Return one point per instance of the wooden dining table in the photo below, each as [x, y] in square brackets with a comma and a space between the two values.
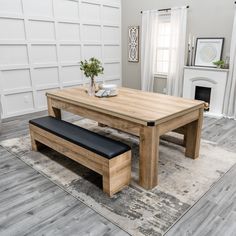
[144, 114]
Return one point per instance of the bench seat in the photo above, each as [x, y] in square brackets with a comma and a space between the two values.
[110, 158]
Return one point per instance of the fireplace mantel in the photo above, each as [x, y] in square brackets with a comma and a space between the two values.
[205, 68]
[206, 77]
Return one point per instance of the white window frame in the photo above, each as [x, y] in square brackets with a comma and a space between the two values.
[165, 17]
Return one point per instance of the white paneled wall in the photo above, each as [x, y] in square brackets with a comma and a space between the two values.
[43, 41]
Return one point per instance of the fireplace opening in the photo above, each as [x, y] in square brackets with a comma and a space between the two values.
[203, 94]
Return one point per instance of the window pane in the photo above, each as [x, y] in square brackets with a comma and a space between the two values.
[160, 42]
[159, 67]
[167, 29]
[163, 54]
[165, 67]
[166, 55]
[163, 44]
[161, 30]
[160, 55]
[163, 41]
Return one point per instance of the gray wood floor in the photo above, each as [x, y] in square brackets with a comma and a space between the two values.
[215, 213]
[32, 205]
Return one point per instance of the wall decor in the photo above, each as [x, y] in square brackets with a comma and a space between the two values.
[208, 50]
[133, 44]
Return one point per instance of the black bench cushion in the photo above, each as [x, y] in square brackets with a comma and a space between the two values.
[87, 139]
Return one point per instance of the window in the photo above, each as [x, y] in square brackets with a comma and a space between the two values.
[163, 45]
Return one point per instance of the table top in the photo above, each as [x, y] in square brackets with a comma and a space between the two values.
[134, 105]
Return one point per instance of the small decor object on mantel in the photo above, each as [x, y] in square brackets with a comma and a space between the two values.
[208, 50]
[191, 46]
[91, 68]
[220, 64]
[133, 44]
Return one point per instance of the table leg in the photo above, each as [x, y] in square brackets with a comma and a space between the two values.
[193, 137]
[149, 156]
[52, 111]
[101, 125]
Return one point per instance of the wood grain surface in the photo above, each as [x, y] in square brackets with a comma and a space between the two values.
[140, 113]
[133, 105]
[116, 172]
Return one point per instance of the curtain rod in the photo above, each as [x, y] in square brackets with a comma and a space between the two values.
[168, 9]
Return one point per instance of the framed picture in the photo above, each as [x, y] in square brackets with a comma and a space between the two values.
[208, 50]
[133, 44]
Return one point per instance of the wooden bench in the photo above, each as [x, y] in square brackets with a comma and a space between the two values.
[110, 158]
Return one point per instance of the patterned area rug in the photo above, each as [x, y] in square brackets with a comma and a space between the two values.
[182, 181]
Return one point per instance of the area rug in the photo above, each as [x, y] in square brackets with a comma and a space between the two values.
[182, 181]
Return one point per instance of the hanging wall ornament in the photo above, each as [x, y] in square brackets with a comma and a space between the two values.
[133, 44]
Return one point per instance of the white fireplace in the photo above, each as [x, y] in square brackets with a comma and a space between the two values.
[207, 84]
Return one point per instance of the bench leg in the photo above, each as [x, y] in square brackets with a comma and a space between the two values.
[117, 173]
[35, 145]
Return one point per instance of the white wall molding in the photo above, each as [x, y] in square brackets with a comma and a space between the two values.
[43, 42]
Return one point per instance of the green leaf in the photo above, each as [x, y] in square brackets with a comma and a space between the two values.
[92, 67]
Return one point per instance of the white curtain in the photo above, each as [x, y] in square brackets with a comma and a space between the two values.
[148, 49]
[177, 51]
[230, 93]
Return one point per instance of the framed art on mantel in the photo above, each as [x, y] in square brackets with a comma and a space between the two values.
[208, 50]
[133, 44]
